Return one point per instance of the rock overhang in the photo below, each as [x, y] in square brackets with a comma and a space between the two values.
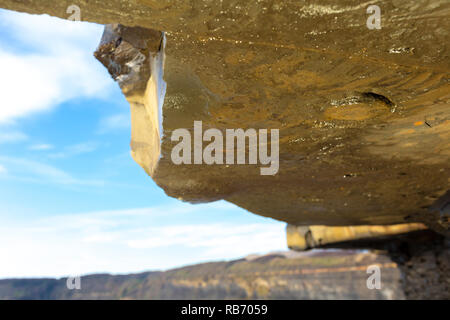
[364, 115]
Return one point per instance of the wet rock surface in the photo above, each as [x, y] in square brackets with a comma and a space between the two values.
[363, 114]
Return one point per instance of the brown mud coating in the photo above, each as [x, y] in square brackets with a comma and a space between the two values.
[364, 115]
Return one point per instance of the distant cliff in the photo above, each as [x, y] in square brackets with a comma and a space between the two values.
[314, 275]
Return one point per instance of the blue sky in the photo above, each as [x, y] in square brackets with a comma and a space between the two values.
[72, 200]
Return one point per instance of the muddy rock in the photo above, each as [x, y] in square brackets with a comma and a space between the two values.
[363, 114]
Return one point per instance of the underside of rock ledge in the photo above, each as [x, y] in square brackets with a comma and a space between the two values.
[364, 115]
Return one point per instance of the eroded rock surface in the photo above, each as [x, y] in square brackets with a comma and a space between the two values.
[364, 115]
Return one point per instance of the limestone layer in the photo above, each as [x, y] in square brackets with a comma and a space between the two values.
[304, 238]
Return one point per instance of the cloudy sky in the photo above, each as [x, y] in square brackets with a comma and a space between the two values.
[72, 200]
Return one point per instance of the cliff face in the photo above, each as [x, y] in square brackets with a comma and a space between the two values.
[320, 275]
[363, 114]
[411, 266]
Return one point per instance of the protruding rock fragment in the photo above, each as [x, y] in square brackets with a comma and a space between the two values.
[134, 57]
[303, 238]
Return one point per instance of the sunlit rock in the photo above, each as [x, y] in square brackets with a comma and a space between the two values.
[363, 114]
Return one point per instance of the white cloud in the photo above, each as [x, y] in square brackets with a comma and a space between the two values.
[38, 172]
[133, 240]
[12, 136]
[41, 147]
[114, 122]
[217, 240]
[57, 65]
[76, 149]
[2, 169]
